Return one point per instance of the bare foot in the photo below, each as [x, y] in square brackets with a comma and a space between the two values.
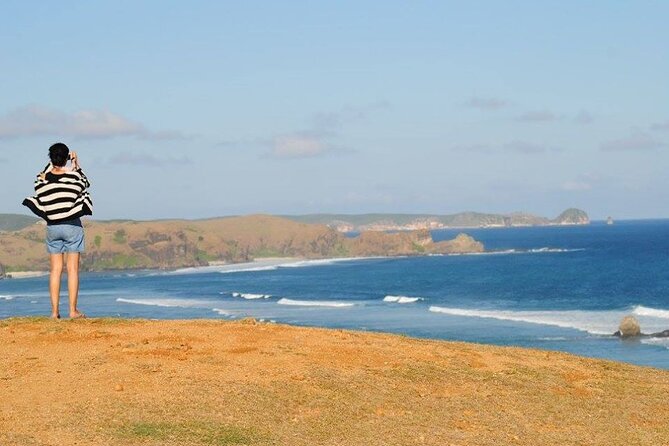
[55, 316]
[77, 315]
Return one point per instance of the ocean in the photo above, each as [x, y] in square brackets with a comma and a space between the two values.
[557, 288]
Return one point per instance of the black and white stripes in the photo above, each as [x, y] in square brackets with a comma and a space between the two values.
[59, 198]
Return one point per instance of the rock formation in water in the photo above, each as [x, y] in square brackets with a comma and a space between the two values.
[629, 327]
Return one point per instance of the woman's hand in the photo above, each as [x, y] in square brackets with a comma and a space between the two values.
[75, 160]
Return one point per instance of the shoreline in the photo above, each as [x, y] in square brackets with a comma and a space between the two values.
[185, 381]
[25, 274]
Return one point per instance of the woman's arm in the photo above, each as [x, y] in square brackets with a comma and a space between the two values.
[77, 168]
[41, 177]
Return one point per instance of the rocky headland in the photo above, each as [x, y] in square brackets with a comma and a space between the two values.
[186, 243]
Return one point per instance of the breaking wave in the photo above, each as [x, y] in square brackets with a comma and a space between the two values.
[251, 296]
[402, 299]
[517, 251]
[652, 312]
[221, 312]
[662, 342]
[180, 303]
[604, 322]
[313, 303]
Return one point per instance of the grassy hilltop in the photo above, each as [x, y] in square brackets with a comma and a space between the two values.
[182, 243]
[197, 383]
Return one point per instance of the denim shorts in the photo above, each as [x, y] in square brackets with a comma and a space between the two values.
[64, 238]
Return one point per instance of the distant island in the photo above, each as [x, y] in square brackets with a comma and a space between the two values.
[168, 244]
[406, 222]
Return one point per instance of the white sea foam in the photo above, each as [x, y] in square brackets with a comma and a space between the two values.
[313, 303]
[181, 303]
[251, 296]
[603, 322]
[317, 262]
[249, 269]
[662, 342]
[221, 312]
[268, 264]
[401, 299]
[519, 251]
[652, 312]
[6, 297]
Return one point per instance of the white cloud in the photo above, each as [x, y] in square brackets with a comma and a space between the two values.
[299, 145]
[486, 103]
[37, 120]
[633, 143]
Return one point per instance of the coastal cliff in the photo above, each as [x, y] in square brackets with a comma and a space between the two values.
[186, 243]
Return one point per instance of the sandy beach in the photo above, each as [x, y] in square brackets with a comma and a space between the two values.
[126, 382]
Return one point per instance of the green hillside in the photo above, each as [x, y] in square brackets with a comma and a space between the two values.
[16, 222]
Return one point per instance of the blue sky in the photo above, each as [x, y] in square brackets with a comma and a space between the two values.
[199, 109]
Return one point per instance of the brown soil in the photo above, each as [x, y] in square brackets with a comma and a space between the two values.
[127, 382]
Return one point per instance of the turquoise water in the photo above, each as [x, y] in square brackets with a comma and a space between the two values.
[558, 288]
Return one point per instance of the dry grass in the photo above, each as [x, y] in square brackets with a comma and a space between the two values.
[127, 382]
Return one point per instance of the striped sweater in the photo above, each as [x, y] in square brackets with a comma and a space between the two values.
[59, 198]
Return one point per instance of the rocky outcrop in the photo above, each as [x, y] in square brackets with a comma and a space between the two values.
[2, 271]
[463, 243]
[629, 327]
[572, 216]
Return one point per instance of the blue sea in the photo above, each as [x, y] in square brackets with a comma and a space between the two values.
[556, 288]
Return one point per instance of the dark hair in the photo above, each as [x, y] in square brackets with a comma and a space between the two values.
[59, 154]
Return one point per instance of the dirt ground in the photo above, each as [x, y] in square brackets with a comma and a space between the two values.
[138, 382]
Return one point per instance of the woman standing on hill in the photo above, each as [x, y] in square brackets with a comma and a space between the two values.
[61, 199]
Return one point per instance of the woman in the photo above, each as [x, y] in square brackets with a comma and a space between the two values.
[61, 199]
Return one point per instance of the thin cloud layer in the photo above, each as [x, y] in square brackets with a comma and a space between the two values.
[660, 126]
[486, 103]
[324, 127]
[538, 116]
[584, 117]
[637, 142]
[146, 160]
[525, 147]
[36, 120]
[298, 145]
[576, 186]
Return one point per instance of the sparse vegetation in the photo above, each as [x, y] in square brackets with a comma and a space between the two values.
[197, 382]
[199, 432]
[120, 236]
[176, 244]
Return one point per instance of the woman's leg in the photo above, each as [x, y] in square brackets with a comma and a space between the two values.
[72, 259]
[54, 283]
